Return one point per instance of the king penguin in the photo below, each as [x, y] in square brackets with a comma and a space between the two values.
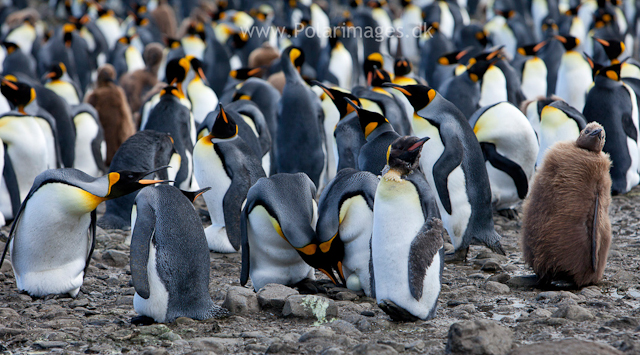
[223, 161]
[169, 258]
[454, 167]
[559, 121]
[61, 83]
[534, 72]
[574, 74]
[407, 247]
[277, 228]
[53, 236]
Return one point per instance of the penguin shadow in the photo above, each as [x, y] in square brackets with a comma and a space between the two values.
[558, 283]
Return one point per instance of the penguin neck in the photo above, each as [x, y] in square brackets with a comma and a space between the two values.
[391, 174]
[383, 128]
[290, 72]
[601, 81]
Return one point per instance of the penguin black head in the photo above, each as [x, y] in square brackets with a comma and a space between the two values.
[10, 47]
[452, 58]
[379, 77]
[177, 69]
[141, 21]
[613, 48]
[419, 96]
[172, 43]
[19, 94]
[569, 43]
[603, 17]
[592, 137]
[246, 73]
[328, 258]
[549, 27]
[404, 153]
[338, 98]
[239, 39]
[67, 36]
[402, 67]
[125, 182]
[612, 72]
[477, 70]
[373, 61]
[482, 37]
[296, 56]
[369, 120]
[196, 64]
[126, 40]
[224, 127]
[495, 54]
[193, 195]
[56, 71]
[531, 49]
[573, 11]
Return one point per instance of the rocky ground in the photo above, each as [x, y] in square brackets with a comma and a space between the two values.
[497, 311]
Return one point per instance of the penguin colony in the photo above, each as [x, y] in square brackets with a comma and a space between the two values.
[352, 137]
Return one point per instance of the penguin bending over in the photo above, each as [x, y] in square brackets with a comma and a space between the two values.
[169, 258]
[407, 249]
[277, 228]
[566, 231]
[454, 167]
[52, 238]
[225, 162]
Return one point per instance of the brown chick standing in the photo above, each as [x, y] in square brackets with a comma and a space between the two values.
[113, 110]
[566, 232]
[137, 84]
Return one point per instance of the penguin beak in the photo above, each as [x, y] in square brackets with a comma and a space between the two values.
[596, 132]
[418, 144]
[397, 87]
[49, 75]
[9, 84]
[149, 181]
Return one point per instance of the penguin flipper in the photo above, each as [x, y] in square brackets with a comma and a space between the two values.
[628, 127]
[372, 279]
[232, 206]
[92, 235]
[143, 234]
[11, 180]
[450, 159]
[244, 273]
[508, 166]
[594, 237]
[424, 247]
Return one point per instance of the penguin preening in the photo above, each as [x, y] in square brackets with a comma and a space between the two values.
[169, 258]
[453, 164]
[52, 238]
[277, 228]
[407, 247]
[566, 231]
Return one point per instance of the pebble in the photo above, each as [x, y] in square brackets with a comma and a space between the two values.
[346, 296]
[240, 300]
[478, 337]
[523, 281]
[496, 287]
[50, 344]
[273, 296]
[281, 348]
[368, 313]
[491, 266]
[623, 323]
[501, 278]
[318, 332]
[115, 258]
[64, 323]
[573, 312]
[210, 344]
[332, 351]
[310, 307]
[343, 327]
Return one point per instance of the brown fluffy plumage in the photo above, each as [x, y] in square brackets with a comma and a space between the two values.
[165, 19]
[559, 213]
[137, 84]
[113, 110]
[263, 56]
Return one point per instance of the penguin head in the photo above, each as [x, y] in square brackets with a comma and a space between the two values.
[603, 18]
[67, 34]
[379, 77]
[452, 58]
[595, 66]
[568, 42]
[177, 69]
[193, 195]
[246, 73]
[327, 258]
[369, 120]
[141, 21]
[338, 97]
[224, 127]
[296, 56]
[592, 137]
[126, 40]
[532, 49]
[239, 39]
[402, 67]
[477, 68]
[613, 48]
[404, 153]
[10, 47]
[373, 61]
[56, 71]
[19, 94]
[106, 74]
[612, 72]
[125, 182]
[549, 27]
[419, 96]
[482, 37]
[172, 43]
[171, 91]
[196, 64]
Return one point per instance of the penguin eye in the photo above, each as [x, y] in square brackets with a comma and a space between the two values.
[130, 176]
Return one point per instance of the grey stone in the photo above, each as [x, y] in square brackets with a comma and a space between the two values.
[281, 348]
[210, 344]
[523, 281]
[253, 334]
[573, 312]
[343, 327]
[501, 278]
[496, 287]
[171, 336]
[623, 323]
[479, 337]
[373, 349]
[6, 265]
[64, 323]
[332, 351]
[50, 344]
[124, 301]
[240, 300]
[396, 346]
[273, 296]
[8, 314]
[115, 258]
[346, 296]
[153, 329]
[310, 307]
[591, 292]
[540, 313]
[491, 266]
[318, 332]
[154, 351]
[566, 347]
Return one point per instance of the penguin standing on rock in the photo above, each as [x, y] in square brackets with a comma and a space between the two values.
[52, 238]
[408, 280]
[566, 231]
[454, 167]
[169, 258]
[277, 228]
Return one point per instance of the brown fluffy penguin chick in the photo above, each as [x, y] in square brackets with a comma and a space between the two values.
[137, 84]
[566, 232]
[113, 110]
[165, 19]
[263, 56]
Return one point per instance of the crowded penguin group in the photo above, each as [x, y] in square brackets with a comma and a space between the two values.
[358, 139]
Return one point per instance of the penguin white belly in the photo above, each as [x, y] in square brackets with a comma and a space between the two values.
[501, 34]
[156, 305]
[355, 232]
[494, 87]
[190, 182]
[134, 59]
[629, 71]
[235, 62]
[534, 79]
[456, 222]
[110, 27]
[52, 159]
[203, 100]
[397, 219]
[65, 90]
[146, 110]
[4, 105]
[194, 46]
[447, 23]
[567, 131]
[209, 172]
[272, 258]
[24, 36]
[504, 194]
[52, 242]
[86, 131]
[632, 174]
[341, 66]
[331, 119]
[574, 78]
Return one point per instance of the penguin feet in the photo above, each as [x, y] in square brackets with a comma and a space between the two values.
[309, 287]
[458, 256]
[509, 213]
[396, 312]
[142, 320]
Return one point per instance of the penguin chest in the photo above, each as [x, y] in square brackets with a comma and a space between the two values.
[555, 129]
[341, 65]
[65, 90]
[86, 132]
[157, 304]
[209, 171]
[203, 100]
[574, 78]
[194, 46]
[52, 159]
[272, 258]
[494, 87]
[52, 239]
[356, 226]
[134, 59]
[534, 78]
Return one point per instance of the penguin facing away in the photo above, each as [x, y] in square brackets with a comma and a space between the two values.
[566, 231]
[169, 258]
[408, 279]
[52, 238]
[277, 227]
[454, 167]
